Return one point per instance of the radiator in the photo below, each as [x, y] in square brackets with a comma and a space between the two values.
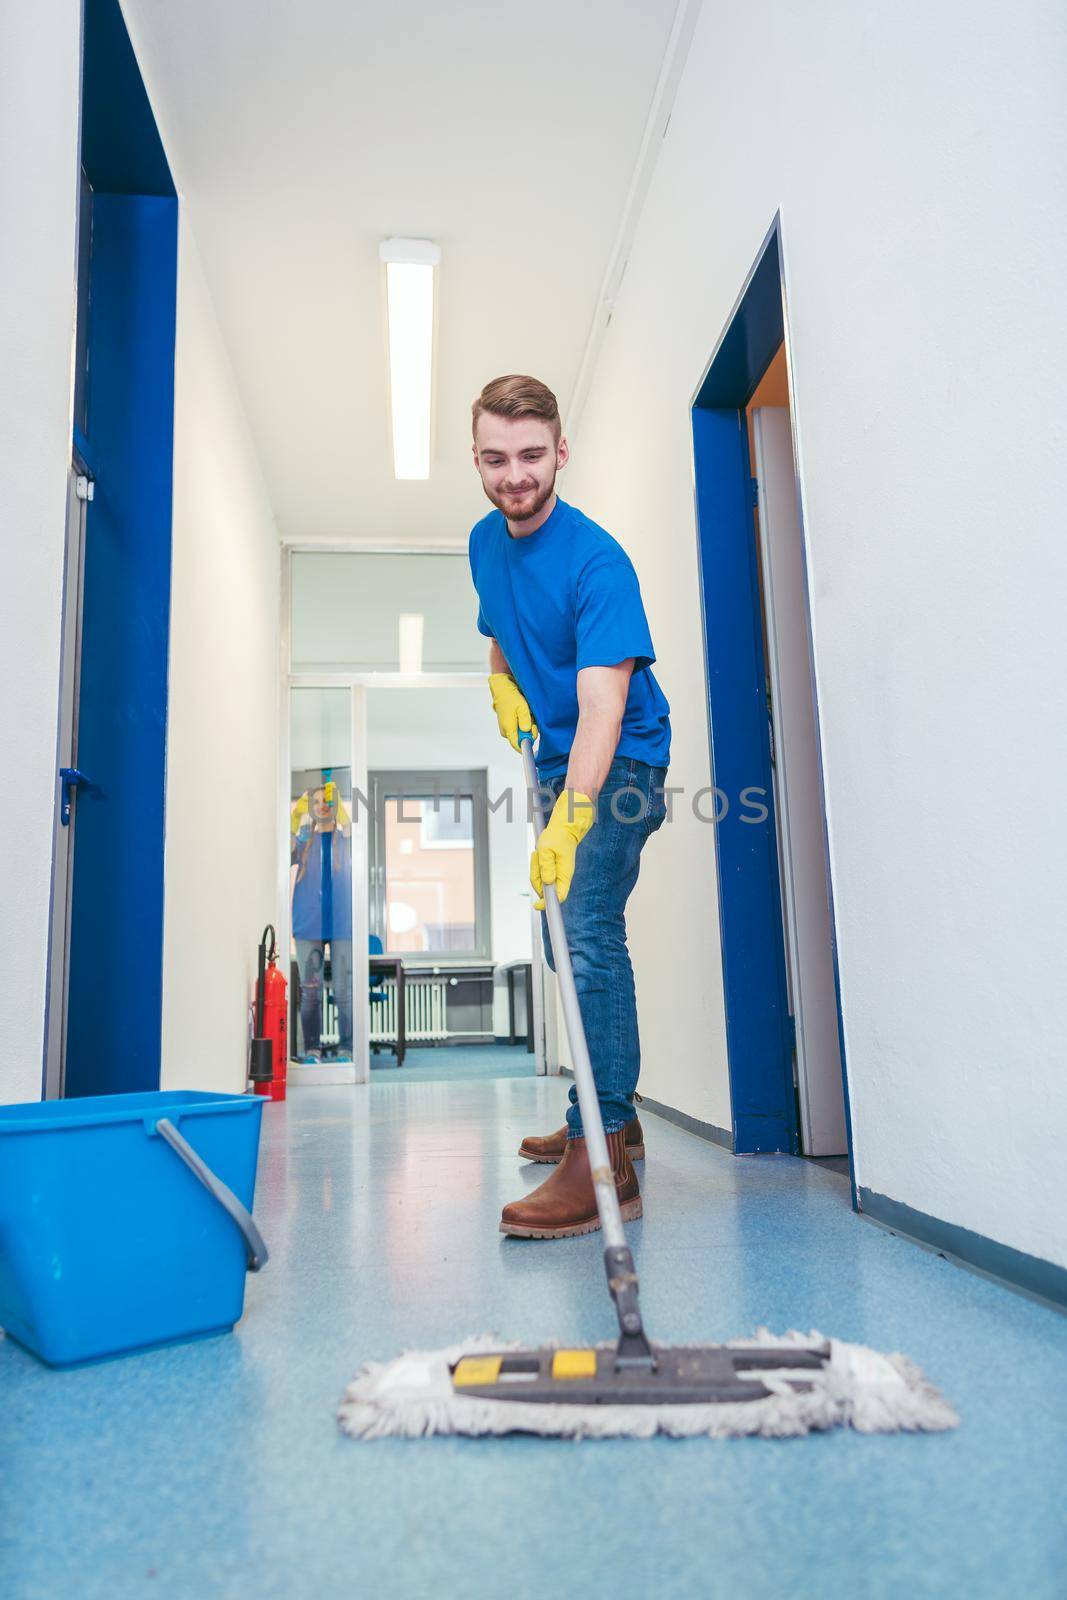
[330, 1034]
[424, 1011]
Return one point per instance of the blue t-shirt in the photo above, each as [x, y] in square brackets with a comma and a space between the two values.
[564, 598]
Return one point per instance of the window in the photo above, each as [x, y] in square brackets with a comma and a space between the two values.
[448, 826]
[429, 864]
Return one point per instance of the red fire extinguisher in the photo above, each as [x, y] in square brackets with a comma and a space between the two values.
[271, 1012]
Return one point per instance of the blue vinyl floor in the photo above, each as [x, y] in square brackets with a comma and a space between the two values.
[217, 1469]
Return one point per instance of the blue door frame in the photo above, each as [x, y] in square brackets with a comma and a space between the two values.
[759, 1029]
[124, 439]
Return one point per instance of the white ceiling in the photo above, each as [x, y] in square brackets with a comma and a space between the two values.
[301, 134]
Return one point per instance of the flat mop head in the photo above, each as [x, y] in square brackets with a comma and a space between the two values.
[770, 1387]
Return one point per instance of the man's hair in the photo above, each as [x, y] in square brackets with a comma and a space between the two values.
[518, 396]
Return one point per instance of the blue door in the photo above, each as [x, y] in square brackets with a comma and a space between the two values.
[105, 1002]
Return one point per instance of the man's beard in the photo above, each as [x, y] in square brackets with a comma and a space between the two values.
[541, 499]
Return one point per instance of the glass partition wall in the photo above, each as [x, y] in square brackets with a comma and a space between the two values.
[449, 843]
[375, 612]
[386, 833]
[322, 847]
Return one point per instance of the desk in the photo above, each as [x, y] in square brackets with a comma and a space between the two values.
[393, 967]
[513, 970]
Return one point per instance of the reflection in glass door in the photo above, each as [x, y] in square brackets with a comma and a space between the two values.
[321, 877]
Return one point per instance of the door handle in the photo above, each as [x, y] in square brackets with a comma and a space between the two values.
[71, 779]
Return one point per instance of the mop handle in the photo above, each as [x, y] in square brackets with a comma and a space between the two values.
[607, 1201]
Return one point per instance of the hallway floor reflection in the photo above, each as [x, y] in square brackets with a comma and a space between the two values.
[453, 1063]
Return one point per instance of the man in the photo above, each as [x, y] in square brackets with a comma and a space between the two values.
[570, 660]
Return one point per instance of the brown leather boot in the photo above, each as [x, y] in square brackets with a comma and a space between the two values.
[565, 1204]
[550, 1148]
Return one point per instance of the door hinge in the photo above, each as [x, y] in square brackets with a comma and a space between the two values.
[755, 490]
[70, 781]
[84, 487]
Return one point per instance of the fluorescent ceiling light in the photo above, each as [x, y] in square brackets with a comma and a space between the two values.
[409, 270]
[411, 624]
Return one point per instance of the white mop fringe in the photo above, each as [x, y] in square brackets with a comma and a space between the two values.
[413, 1398]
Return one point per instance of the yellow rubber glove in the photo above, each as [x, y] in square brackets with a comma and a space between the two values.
[553, 861]
[512, 711]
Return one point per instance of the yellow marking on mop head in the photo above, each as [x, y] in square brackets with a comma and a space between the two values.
[602, 1175]
[476, 1369]
[574, 1364]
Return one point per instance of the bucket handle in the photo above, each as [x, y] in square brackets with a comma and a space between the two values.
[257, 1251]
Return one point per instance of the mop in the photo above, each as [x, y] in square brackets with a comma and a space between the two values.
[771, 1387]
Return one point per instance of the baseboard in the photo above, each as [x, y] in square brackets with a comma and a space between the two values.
[1041, 1280]
[681, 1119]
[301, 1074]
[1029, 1275]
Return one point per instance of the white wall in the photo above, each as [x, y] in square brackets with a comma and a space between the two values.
[39, 74]
[221, 842]
[917, 156]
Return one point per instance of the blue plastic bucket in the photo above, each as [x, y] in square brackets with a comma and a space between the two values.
[124, 1220]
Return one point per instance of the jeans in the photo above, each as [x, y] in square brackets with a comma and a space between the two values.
[311, 955]
[630, 807]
